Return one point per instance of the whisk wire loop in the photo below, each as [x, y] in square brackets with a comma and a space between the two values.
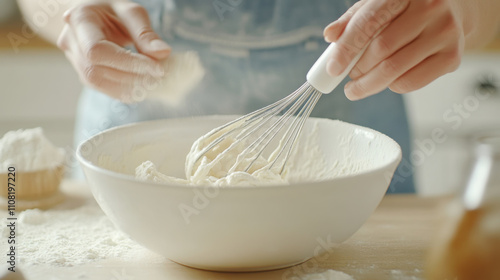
[263, 115]
[256, 148]
[294, 130]
[255, 131]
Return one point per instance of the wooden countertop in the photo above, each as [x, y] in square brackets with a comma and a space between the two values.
[392, 244]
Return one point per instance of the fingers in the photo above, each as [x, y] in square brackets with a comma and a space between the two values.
[420, 41]
[62, 41]
[89, 40]
[420, 76]
[333, 31]
[401, 32]
[117, 84]
[86, 22]
[88, 25]
[98, 77]
[366, 22]
[387, 71]
[108, 54]
[136, 20]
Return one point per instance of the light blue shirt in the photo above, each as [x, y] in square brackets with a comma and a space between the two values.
[255, 52]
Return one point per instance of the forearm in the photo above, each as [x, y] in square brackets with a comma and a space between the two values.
[46, 17]
[481, 21]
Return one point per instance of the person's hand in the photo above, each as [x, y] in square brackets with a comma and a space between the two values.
[421, 41]
[93, 39]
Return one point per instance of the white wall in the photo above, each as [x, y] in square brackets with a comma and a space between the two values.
[453, 105]
[38, 88]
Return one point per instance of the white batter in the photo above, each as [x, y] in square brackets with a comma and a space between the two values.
[308, 164]
[214, 168]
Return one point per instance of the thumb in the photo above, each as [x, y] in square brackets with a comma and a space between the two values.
[136, 19]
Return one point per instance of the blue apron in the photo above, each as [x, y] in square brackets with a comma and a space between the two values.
[255, 53]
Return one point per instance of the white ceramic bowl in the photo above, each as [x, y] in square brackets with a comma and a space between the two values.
[234, 228]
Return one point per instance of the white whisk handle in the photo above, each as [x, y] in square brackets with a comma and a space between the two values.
[319, 78]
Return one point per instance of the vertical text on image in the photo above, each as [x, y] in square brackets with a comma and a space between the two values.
[11, 220]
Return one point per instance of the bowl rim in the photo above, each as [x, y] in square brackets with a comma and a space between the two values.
[131, 178]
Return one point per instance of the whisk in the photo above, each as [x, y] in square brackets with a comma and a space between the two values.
[255, 131]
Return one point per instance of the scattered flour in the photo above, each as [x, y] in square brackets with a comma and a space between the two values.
[73, 237]
[327, 275]
[29, 150]
[183, 71]
[401, 275]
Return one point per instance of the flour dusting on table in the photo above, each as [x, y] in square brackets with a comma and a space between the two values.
[329, 274]
[73, 237]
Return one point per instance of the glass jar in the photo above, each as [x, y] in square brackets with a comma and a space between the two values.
[468, 244]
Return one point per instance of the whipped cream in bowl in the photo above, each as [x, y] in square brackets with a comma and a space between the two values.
[241, 221]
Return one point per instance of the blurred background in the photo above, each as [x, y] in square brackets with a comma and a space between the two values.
[40, 88]
[38, 84]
